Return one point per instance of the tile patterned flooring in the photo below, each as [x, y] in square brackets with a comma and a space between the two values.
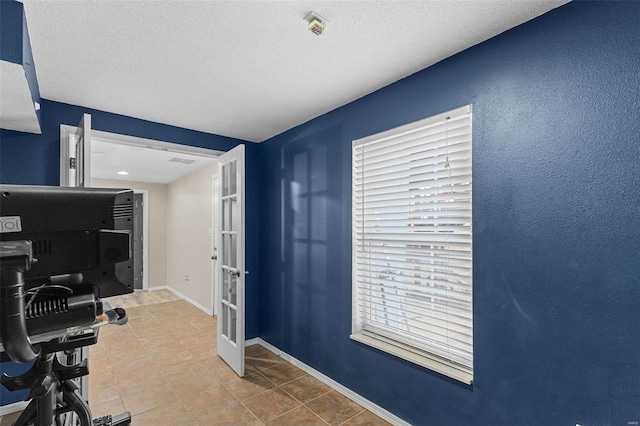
[163, 368]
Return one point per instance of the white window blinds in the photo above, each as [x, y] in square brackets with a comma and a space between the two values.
[412, 251]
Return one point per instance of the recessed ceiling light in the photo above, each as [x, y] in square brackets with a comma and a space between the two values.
[122, 172]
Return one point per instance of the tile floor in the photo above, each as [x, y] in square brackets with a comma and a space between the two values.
[163, 368]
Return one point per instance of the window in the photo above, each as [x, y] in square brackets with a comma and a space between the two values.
[412, 263]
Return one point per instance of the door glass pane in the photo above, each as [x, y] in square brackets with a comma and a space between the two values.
[233, 238]
[232, 325]
[233, 289]
[232, 177]
[225, 216]
[225, 285]
[225, 320]
[233, 215]
[225, 249]
[225, 179]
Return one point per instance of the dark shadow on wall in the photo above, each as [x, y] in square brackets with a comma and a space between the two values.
[310, 253]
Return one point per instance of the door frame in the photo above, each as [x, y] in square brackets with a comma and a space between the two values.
[67, 131]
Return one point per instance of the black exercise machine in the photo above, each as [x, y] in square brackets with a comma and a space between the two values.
[61, 251]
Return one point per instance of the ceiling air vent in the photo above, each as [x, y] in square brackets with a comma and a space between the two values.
[181, 160]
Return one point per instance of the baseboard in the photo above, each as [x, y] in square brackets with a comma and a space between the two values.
[12, 408]
[365, 403]
[162, 287]
[190, 300]
[254, 341]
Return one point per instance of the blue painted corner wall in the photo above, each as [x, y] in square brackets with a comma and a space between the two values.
[556, 172]
[30, 159]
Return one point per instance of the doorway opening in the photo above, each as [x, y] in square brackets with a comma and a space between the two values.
[167, 176]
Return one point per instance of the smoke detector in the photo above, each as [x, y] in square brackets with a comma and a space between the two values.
[316, 22]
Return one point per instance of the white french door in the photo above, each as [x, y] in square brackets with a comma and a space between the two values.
[75, 154]
[83, 152]
[231, 273]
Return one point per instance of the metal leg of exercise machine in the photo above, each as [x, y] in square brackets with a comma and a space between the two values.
[53, 392]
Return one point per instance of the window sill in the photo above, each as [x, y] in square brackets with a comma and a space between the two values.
[415, 356]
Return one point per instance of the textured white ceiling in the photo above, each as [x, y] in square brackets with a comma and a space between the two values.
[247, 69]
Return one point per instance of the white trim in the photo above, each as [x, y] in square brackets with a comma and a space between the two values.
[413, 126]
[85, 146]
[122, 139]
[162, 287]
[188, 299]
[365, 403]
[65, 131]
[416, 356]
[12, 408]
[254, 341]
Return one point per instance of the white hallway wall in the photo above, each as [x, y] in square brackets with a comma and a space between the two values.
[189, 210]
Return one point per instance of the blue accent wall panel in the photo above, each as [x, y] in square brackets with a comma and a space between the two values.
[556, 146]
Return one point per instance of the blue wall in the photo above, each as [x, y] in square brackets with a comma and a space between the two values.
[556, 134]
[34, 159]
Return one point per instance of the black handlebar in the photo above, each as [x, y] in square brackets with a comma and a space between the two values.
[13, 327]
